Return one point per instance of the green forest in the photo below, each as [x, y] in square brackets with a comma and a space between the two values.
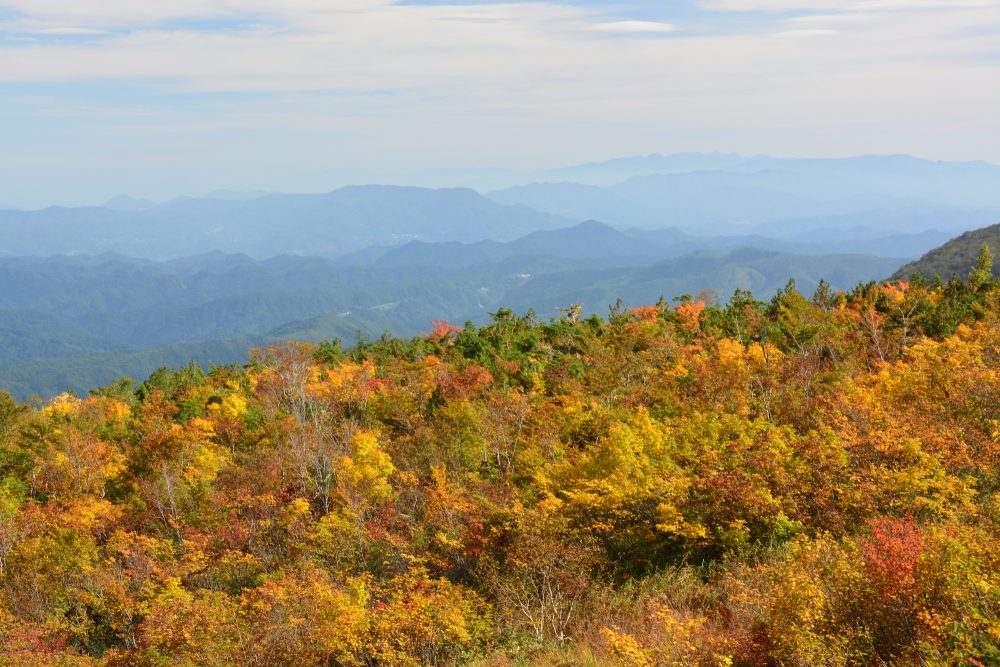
[77, 322]
[955, 257]
[810, 480]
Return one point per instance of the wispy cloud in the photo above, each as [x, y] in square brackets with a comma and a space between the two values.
[777, 6]
[71, 32]
[272, 87]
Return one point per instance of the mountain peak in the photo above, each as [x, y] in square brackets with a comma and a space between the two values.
[594, 225]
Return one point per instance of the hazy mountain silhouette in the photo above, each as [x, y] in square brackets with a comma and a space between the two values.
[766, 190]
[325, 224]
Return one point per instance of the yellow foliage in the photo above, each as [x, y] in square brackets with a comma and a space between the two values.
[62, 405]
[232, 405]
[806, 482]
[363, 477]
[626, 649]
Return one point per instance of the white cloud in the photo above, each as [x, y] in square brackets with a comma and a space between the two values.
[770, 5]
[775, 6]
[133, 13]
[634, 27]
[71, 31]
[815, 32]
[308, 82]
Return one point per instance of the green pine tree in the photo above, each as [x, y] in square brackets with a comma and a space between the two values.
[982, 271]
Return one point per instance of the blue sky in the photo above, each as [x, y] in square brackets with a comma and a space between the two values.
[100, 97]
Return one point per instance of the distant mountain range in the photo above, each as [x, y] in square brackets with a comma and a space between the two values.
[849, 202]
[588, 240]
[595, 240]
[766, 190]
[89, 293]
[76, 322]
[956, 257]
[610, 172]
[328, 224]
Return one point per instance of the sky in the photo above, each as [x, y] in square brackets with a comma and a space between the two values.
[158, 99]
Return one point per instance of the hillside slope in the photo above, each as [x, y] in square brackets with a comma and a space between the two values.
[954, 258]
[72, 322]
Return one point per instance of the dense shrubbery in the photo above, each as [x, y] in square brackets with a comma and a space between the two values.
[810, 481]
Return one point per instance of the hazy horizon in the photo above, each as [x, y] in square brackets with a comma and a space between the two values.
[102, 99]
[480, 178]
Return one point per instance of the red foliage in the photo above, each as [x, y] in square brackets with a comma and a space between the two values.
[378, 384]
[442, 330]
[42, 642]
[891, 554]
[233, 534]
[465, 383]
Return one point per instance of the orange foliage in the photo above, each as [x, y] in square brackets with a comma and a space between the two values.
[442, 330]
[690, 314]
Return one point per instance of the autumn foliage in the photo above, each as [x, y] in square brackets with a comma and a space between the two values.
[808, 481]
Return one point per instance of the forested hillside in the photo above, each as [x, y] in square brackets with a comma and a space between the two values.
[70, 323]
[814, 480]
[954, 258]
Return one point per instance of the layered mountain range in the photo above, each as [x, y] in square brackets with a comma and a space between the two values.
[94, 292]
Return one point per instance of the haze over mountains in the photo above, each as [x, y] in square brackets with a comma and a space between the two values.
[317, 224]
[708, 195]
[94, 292]
[759, 191]
[60, 314]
